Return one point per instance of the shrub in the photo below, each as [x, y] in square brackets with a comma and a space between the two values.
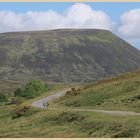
[73, 92]
[137, 97]
[68, 92]
[19, 112]
[3, 98]
[73, 89]
[32, 89]
[126, 133]
[18, 92]
[69, 117]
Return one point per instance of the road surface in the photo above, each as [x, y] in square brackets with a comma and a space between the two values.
[40, 103]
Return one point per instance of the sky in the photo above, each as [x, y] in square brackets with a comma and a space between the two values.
[123, 19]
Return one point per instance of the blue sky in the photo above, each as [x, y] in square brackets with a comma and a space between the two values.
[114, 9]
[113, 16]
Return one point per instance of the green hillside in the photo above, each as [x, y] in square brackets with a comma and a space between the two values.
[117, 93]
[65, 55]
[8, 86]
[39, 123]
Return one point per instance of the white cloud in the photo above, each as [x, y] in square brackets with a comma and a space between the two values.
[130, 24]
[82, 15]
[10, 21]
[77, 16]
[129, 27]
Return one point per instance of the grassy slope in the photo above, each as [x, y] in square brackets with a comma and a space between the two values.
[49, 123]
[66, 123]
[8, 86]
[118, 93]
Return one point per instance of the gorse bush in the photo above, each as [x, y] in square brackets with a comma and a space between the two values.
[32, 89]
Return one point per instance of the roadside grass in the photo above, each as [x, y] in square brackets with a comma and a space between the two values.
[65, 123]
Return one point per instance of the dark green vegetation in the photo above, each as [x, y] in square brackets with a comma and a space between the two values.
[23, 92]
[32, 89]
[3, 98]
[117, 93]
[7, 89]
[67, 55]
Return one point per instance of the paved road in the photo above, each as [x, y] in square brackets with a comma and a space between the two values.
[40, 104]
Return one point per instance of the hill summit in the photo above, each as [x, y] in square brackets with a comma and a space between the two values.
[65, 55]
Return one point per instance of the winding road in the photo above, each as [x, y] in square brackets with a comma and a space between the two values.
[40, 104]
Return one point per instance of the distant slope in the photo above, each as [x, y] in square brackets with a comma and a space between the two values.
[9, 86]
[65, 55]
[117, 93]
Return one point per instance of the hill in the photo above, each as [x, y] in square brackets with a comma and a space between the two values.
[65, 55]
[117, 93]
